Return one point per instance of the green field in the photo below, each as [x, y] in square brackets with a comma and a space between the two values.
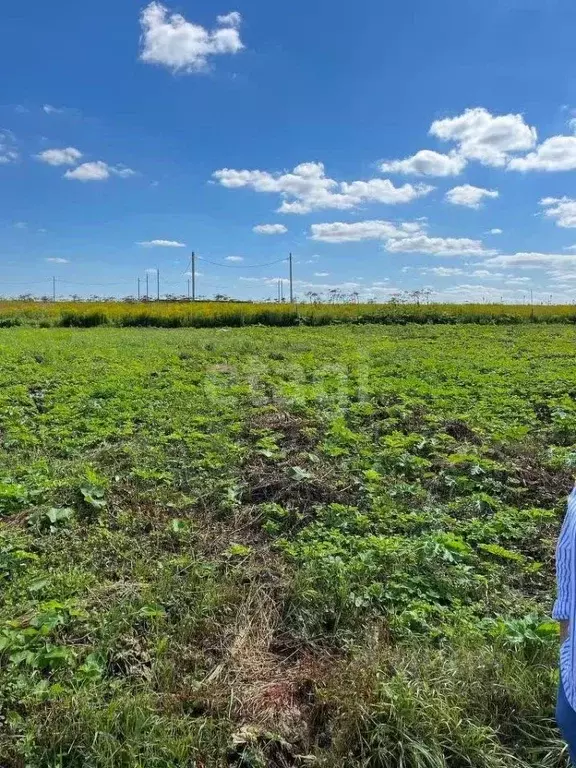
[282, 546]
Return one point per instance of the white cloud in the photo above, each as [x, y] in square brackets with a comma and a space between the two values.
[561, 209]
[488, 138]
[382, 191]
[438, 246]
[403, 237]
[50, 110]
[427, 163]
[557, 153]
[518, 280]
[344, 232]
[161, 244]
[270, 229]
[98, 171]
[8, 151]
[321, 274]
[475, 292]
[495, 231]
[307, 188]
[232, 19]
[67, 156]
[443, 271]
[234, 258]
[557, 261]
[559, 276]
[56, 260]
[469, 196]
[180, 45]
[122, 171]
[485, 273]
[20, 225]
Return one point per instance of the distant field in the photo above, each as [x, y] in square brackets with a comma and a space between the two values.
[281, 547]
[207, 314]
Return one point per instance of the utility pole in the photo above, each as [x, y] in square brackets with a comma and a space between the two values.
[138, 289]
[53, 289]
[291, 283]
[193, 269]
[157, 284]
[147, 285]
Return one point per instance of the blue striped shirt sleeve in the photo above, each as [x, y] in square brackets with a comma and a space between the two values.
[564, 564]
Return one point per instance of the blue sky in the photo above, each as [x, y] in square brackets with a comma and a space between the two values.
[389, 146]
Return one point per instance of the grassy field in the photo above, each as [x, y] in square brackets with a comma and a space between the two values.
[206, 314]
[282, 547]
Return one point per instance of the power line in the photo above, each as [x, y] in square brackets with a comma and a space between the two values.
[73, 282]
[240, 266]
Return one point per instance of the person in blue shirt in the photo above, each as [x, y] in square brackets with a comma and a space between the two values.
[565, 612]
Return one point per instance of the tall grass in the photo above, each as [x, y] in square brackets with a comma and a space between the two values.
[166, 314]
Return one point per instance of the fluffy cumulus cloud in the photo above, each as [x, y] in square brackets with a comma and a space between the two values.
[98, 171]
[232, 19]
[57, 260]
[427, 163]
[234, 258]
[557, 261]
[489, 139]
[345, 232]
[404, 237]
[307, 188]
[495, 231]
[561, 209]
[438, 246]
[270, 229]
[170, 40]
[8, 151]
[95, 171]
[557, 153]
[499, 141]
[67, 156]
[161, 244]
[469, 196]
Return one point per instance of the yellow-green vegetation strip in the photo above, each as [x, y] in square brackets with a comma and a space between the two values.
[214, 314]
